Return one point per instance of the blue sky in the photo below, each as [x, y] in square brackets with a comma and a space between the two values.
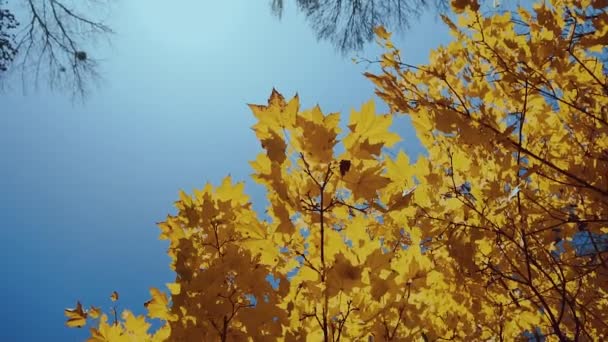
[83, 185]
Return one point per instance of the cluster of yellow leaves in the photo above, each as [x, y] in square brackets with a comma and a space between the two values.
[130, 328]
[359, 271]
[477, 241]
[514, 114]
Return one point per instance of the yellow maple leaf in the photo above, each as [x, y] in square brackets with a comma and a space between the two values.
[484, 246]
[94, 312]
[136, 326]
[316, 135]
[231, 192]
[343, 275]
[174, 288]
[158, 306]
[108, 332]
[275, 116]
[368, 127]
[77, 317]
[399, 169]
[365, 183]
[381, 32]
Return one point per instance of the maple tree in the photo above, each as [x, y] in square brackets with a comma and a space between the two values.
[499, 233]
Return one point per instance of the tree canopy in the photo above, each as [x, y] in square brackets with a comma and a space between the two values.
[7, 38]
[499, 233]
[50, 41]
[348, 25]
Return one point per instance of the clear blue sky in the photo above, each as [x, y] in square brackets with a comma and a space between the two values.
[84, 185]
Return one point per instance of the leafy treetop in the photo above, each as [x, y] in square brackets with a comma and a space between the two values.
[499, 234]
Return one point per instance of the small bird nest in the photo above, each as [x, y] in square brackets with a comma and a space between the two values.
[81, 55]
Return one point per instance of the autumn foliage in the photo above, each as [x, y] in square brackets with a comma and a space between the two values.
[499, 233]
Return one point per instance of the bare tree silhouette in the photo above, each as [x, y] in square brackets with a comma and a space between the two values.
[51, 43]
[349, 24]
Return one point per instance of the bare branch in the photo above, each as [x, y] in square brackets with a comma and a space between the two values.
[53, 44]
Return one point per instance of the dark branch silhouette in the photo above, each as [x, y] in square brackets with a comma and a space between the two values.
[51, 43]
[349, 24]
